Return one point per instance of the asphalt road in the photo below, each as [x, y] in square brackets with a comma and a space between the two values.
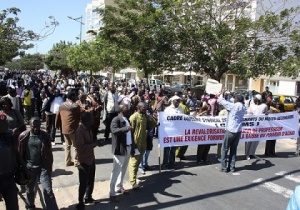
[265, 183]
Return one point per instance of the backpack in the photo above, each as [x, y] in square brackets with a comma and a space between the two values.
[7, 154]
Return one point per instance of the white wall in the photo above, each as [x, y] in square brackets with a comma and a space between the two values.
[287, 88]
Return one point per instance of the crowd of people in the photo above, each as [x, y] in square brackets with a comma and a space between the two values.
[129, 112]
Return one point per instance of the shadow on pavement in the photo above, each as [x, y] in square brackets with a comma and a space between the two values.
[145, 197]
[257, 165]
[61, 172]
[150, 186]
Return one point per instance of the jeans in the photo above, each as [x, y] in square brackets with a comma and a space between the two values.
[9, 191]
[231, 141]
[169, 156]
[51, 129]
[86, 181]
[118, 172]
[145, 159]
[45, 179]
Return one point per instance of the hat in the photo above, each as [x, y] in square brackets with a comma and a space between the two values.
[174, 98]
[258, 97]
[3, 117]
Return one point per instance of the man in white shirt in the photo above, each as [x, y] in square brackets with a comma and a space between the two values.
[169, 152]
[121, 149]
[55, 100]
[257, 108]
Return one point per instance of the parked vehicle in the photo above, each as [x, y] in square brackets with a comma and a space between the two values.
[155, 84]
[287, 101]
[198, 90]
[181, 88]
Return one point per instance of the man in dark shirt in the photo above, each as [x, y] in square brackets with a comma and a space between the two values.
[86, 159]
[266, 94]
[34, 147]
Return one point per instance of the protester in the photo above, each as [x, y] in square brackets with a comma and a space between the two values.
[150, 133]
[97, 106]
[34, 147]
[110, 109]
[15, 99]
[266, 94]
[169, 152]
[257, 108]
[51, 108]
[26, 96]
[233, 130]
[14, 118]
[8, 165]
[67, 119]
[180, 151]
[122, 148]
[203, 149]
[86, 159]
[139, 121]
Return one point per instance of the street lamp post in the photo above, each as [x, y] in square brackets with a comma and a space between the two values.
[79, 20]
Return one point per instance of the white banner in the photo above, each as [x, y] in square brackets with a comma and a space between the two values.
[179, 130]
[213, 87]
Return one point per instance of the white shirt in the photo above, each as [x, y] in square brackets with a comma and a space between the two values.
[55, 104]
[125, 100]
[173, 110]
[128, 134]
[257, 109]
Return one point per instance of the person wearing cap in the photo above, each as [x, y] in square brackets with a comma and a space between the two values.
[266, 94]
[169, 152]
[233, 130]
[34, 147]
[257, 108]
[8, 187]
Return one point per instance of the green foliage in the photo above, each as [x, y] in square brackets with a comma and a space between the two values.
[97, 55]
[13, 38]
[57, 56]
[27, 62]
[207, 36]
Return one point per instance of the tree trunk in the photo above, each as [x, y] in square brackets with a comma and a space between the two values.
[91, 76]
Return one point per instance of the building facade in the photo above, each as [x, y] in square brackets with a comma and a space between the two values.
[93, 20]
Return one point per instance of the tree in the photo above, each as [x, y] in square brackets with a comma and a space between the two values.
[14, 39]
[57, 56]
[209, 36]
[138, 28]
[27, 62]
[95, 56]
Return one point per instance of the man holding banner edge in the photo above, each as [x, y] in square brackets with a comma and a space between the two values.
[233, 130]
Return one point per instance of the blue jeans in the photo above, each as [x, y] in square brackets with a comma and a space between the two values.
[45, 179]
[9, 191]
[145, 159]
[231, 141]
